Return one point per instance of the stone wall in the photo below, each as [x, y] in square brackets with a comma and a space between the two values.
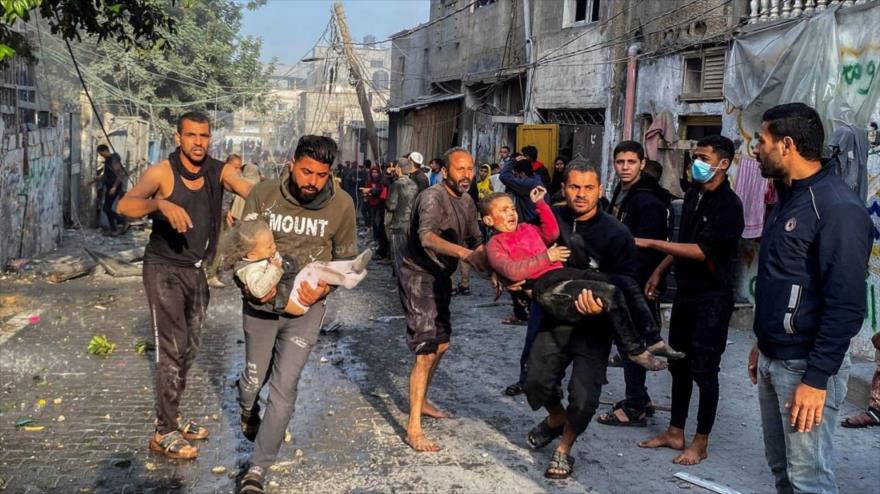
[31, 192]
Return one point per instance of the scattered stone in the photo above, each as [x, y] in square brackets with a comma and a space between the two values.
[107, 417]
[332, 327]
[298, 453]
[288, 437]
[273, 484]
[485, 455]
[61, 418]
[220, 470]
[57, 401]
[387, 319]
[215, 417]
[323, 360]
[100, 307]
[331, 413]
[379, 394]
[149, 466]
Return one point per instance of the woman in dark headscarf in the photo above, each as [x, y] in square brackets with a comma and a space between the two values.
[556, 183]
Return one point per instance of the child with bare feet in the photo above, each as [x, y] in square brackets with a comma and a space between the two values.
[260, 267]
[518, 251]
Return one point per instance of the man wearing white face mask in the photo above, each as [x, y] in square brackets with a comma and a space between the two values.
[705, 262]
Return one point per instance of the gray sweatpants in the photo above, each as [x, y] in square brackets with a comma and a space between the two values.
[284, 343]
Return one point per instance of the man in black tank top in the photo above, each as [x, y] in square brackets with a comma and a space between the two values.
[183, 197]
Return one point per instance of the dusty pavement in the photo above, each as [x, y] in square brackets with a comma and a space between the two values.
[351, 410]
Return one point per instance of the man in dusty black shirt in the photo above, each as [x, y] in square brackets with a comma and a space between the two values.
[596, 241]
[443, 231]
[705, 264]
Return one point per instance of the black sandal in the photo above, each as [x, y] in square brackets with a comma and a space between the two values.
[252, 482]
[649, 408]
[634, 417]
[542, 434]
[514, 389]
[559, 461]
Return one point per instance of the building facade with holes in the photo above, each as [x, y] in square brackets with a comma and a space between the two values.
[573, 84]
[680, 78]
[458, 80]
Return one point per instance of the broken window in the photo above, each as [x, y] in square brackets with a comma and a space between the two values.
[380, 79]
[18, 95]
[703, 76]
[696, 127]
[582, 11]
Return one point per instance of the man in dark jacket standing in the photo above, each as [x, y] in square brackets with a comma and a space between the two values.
[705, 266]
[642, 206]
[809, 299]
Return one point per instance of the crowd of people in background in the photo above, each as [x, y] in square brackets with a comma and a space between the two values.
[584, 272]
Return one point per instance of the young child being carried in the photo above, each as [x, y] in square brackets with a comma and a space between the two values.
[518, 251]
[260, 268]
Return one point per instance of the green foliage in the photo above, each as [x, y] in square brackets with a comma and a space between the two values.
[143, 346]
[130, 23]
[208, 63]
[100, 346]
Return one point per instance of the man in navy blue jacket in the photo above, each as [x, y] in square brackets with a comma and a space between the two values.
[809, 299]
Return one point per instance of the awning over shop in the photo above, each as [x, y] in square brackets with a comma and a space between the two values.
[424, 101]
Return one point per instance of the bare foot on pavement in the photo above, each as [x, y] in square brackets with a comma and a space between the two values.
[694, 454]
[430, 410]
[421, 443]
[666, 440]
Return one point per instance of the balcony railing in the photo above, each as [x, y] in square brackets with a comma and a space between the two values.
[772, 10]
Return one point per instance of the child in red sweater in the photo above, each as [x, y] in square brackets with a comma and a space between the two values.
[518, 251]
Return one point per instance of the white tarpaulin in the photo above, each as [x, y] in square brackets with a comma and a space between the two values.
[829, 61]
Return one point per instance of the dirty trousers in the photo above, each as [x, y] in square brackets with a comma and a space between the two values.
[556, 347]
[178, 299]
[625, 305]
[698, 327]
[276, 350]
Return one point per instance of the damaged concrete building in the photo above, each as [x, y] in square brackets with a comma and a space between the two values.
[487, 73]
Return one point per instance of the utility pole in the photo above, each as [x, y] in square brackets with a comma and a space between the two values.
[339, 15]
[528, 113]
